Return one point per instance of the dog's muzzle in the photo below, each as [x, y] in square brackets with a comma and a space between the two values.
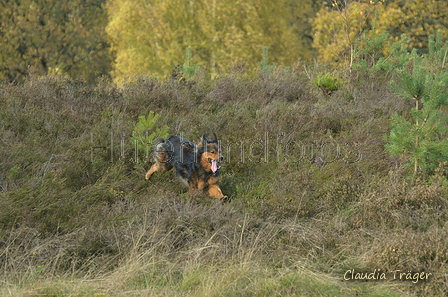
[215, 165]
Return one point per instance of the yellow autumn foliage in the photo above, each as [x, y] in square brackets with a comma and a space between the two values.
[338, 28]
[150, 37]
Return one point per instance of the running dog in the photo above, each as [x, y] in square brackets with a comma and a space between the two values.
[198, 166]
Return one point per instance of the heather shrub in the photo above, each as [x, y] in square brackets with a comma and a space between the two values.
[313, 192]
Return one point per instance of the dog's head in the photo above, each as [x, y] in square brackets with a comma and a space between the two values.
[210, 150]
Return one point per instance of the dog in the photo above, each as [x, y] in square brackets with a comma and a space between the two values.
[197, 166]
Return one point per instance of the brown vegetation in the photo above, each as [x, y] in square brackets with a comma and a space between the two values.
[77, 217]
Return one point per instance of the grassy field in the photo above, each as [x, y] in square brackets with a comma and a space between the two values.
[315, 200]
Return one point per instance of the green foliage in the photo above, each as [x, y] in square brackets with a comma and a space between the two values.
[418, 19]
[424, 140]
[145, 132]
[53, 36]
[189, 70]
[327, 82]
[75, 221]
[377, 55]
[339, 27]
[437, 50]
[148, 37]
[264, 63]
[371, 47]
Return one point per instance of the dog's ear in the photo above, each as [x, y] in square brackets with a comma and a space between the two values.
[215, 138]
[204, 139]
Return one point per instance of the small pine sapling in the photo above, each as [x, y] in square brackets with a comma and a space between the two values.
[145, 133]
[422, 139]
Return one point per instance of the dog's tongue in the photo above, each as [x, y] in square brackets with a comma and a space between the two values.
[214, 166]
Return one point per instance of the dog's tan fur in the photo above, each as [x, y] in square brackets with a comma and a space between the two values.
[193, 163]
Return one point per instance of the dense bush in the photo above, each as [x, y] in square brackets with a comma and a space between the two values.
[313, 195]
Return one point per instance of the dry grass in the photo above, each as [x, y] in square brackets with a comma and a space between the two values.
[239, 258]
[73, 225]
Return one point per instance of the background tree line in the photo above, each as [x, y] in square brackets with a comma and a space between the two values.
[53, 36]
[124, 38]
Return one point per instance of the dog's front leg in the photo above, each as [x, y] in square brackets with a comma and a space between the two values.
[154, 168]
[215, 192]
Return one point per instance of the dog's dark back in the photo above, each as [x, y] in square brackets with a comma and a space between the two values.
[182, 156]
[197, 166]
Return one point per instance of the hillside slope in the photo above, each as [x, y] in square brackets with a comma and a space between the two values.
[313, 193]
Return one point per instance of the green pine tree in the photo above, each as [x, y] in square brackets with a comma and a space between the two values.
[264, 63]
[422, 140]
[145, 133]
[189, 70]
[438, 52]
